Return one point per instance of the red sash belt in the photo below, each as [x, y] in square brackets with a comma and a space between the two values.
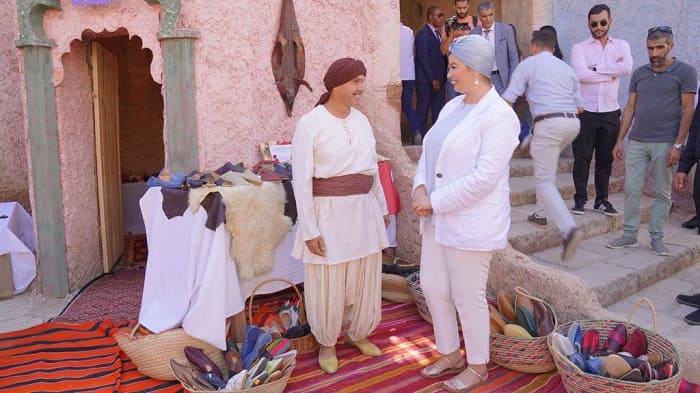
[354, 184]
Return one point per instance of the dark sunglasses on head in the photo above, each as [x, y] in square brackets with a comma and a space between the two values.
[603, 23]
[663, 29]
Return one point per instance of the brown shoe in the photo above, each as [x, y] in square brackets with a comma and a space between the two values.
[453, 363]
[537, 220]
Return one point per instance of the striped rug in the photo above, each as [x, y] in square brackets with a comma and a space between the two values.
[408, 345]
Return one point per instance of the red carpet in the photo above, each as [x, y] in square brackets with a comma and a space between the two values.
[115, 296]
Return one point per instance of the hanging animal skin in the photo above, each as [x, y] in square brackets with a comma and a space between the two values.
[288, 59]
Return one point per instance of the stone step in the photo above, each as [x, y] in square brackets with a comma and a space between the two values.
[618, 274]
[522, 167]
[669, 313]
[522, 189]
[529, 238]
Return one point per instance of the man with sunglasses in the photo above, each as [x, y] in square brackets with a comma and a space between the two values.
[599, 62]
[661, 102]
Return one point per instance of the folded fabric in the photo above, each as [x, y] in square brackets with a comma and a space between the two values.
[278, 346]
[166, 179]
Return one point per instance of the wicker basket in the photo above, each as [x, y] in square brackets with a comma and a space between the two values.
[395, 289]
[413, 281]
[152, 353]
[575, 380]
[304, 344]
[277, 386]
[526, 355]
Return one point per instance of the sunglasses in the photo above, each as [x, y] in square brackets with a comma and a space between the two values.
[603, 23]
[662, 29]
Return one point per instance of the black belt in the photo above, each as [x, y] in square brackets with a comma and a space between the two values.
[555, 114]
[494, 72]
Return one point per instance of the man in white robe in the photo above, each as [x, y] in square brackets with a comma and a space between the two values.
[342, 215]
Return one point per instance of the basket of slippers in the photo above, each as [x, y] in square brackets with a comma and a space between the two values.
[260, 369]
[519, 330]
[290, 320]
[596, 356]
[151, 353]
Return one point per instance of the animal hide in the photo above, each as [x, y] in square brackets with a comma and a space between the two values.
[288, 58]
[256, 222]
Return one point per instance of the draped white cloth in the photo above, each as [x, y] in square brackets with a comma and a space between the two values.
[191, 280]
[17, 239]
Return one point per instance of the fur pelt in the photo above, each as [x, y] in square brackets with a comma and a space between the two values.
[255, 220]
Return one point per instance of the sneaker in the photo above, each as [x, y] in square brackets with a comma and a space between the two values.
[537, 220]
[693, 318]
[623, 241]
[571, 243]
[579, 208]
[689, 300]
[659, 248]
[606, 208]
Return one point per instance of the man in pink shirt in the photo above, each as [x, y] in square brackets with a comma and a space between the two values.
[599, 62]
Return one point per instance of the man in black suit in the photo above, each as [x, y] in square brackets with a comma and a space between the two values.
[431, 69]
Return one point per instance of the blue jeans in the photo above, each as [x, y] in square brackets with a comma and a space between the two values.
[407, 88]
[639, 156]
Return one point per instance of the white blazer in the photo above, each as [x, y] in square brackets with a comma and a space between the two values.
[471, 200]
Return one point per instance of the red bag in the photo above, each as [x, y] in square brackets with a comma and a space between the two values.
[393, 202]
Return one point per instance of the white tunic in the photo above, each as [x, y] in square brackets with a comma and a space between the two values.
[352, 227]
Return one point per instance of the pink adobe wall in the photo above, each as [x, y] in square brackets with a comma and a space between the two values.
[136, 16]
[13, 160]
[238, 105]
[76, 142]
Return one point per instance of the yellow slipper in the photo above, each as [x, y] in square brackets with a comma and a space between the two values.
[365, 346]
[327, 360]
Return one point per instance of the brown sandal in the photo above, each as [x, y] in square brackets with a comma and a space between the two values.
[443, 366]
[456, 384]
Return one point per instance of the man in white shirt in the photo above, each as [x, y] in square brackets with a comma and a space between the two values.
[342, 215]
[555, 101]
[599, 63]
[502, 40]
[408, 81]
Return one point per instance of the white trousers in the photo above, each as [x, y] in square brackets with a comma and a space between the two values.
[549, 138]
[451, 278]
[347, 295]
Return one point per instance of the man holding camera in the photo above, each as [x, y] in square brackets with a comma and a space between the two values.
[456, 26]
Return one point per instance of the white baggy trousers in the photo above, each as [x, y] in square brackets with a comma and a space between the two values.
[344, 296]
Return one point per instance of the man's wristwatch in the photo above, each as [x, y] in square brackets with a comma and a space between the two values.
[678, 146]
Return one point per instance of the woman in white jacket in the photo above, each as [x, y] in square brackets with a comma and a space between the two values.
[461, 193]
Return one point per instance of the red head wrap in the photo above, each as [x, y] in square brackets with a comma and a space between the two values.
[340, 72]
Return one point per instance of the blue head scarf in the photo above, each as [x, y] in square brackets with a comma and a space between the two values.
[475, 52]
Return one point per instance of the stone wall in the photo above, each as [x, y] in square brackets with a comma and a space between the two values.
[13, 160]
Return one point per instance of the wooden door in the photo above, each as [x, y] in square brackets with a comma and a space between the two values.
[105, 85]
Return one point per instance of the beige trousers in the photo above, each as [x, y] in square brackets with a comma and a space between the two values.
[344, 296]
[451, 278]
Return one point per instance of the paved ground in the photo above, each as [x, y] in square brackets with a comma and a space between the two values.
[28, 309]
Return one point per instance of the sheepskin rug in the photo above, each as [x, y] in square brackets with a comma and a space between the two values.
[256, 221]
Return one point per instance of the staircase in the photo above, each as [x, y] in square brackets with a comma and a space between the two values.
[618, 277]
